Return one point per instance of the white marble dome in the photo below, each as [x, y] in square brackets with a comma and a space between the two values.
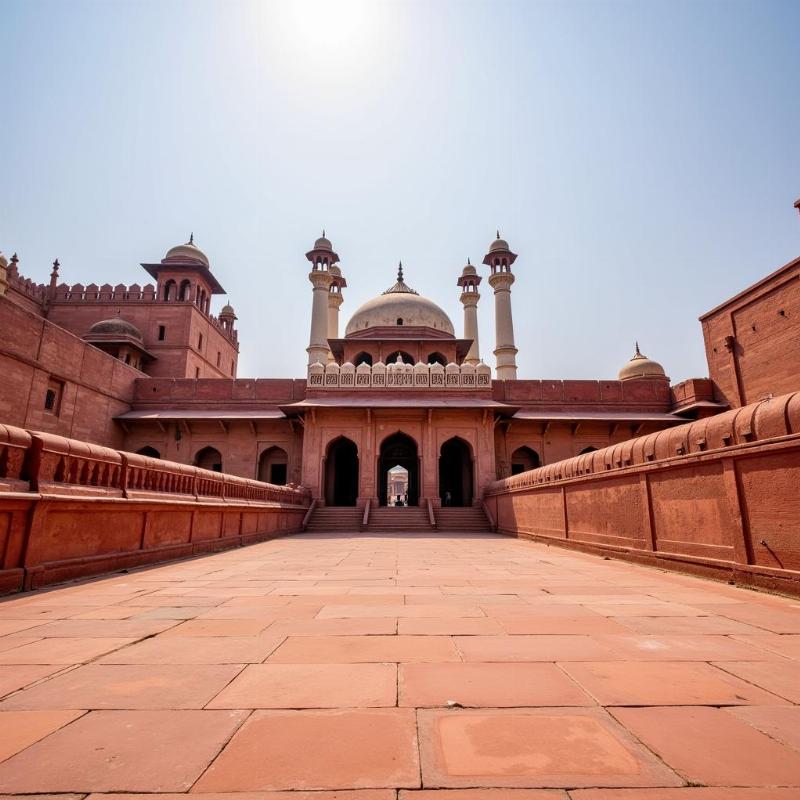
[400, 302]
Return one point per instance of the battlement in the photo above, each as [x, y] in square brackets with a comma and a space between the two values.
[25, 286]
[133, 294]
[399, 376]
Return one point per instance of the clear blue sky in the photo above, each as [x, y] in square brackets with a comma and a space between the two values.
[641, 157]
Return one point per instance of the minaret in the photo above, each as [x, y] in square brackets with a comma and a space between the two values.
[322, 258]
[470, 295]
[335, 300]
[499, 259]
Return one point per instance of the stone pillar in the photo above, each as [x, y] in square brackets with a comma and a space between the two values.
[335, 300]
[318, 341]
[505, 352]
[3, 274]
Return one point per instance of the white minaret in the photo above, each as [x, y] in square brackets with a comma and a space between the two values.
[335, 300]
[322, 258]
[470, 295]
[499, 259]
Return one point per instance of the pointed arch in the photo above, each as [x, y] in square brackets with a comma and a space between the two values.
[523, 459]
[456, 473]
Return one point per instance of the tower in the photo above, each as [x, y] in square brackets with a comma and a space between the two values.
[322, 258]
[470, 295]
[499, 259]
[335, 300]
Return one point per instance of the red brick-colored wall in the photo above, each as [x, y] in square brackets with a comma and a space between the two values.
[96, 387]
[718, 496]
[70, 509]
[753, 340]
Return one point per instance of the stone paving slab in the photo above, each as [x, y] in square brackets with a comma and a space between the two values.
[399, 667]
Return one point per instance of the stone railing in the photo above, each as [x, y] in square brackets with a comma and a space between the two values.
[718, 496]
[399, 376]
[70, 508]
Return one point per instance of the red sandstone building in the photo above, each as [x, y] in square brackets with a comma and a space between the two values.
[149, 369]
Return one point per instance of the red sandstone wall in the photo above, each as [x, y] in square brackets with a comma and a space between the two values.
[71, 509]
[179, 354]
[96, 386]
[718, 496]
[753, 340]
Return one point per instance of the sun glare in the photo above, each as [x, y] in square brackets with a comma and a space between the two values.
[327, 23]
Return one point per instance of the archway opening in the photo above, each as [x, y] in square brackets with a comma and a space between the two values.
[397, 486]
[437, 358]
[341, 473]
[209, 458]
[585, 450]
[272, 466]
[363, 358]
[406, 358]
[399, 450]
[523, 459]
[149, 451]
[455, 473]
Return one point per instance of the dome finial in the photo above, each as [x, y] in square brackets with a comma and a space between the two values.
[638, 351]
[498, 233]
[323, 233]
[400, 272]
[469, 263]
[191, 238]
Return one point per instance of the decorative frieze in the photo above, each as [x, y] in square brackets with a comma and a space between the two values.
[399, 375]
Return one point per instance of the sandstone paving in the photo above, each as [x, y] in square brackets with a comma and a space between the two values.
[376, 667]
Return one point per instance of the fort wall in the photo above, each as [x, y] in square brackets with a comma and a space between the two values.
[716, 497]
[70, 509]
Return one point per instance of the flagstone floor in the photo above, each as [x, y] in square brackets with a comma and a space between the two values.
[415, 667]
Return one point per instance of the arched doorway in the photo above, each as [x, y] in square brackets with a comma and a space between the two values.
[523, 459]
[272, 466]
[405, 357]
[209, 458]
[149, 451]
[398, 450]
[586, 450]
[455, 473]
[341, 473]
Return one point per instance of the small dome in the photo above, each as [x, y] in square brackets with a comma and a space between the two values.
[641, 366]
[227, 311]
[323, 243]
[116, 326]
[469, 270]
[498, 244]
[187, 252]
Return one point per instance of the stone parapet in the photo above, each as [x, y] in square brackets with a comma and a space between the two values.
[70, 509]
[716, 497]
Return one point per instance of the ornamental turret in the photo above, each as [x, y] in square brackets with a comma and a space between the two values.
[499, 259]
[469, 282]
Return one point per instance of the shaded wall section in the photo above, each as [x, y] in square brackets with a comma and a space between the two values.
[718, 497]
[70, 509]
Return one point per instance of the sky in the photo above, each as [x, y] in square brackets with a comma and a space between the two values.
[640, 157]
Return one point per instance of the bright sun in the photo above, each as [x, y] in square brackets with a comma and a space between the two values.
[326, 23]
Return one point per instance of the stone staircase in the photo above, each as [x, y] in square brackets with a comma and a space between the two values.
[398, 519]
[335, 519]
[462, 520]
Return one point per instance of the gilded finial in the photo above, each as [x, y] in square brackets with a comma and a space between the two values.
[400, 272]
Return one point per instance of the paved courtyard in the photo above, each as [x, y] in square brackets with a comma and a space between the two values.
[408, 667]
